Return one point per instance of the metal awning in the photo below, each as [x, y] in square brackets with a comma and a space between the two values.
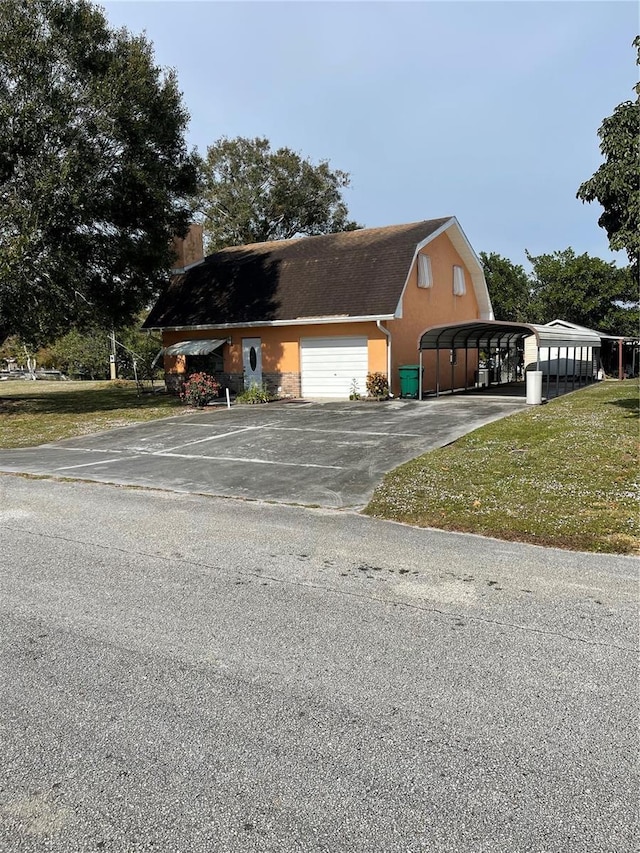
[195, 347]
[493, 333]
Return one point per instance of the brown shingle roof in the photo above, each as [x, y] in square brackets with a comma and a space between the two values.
[351, 274]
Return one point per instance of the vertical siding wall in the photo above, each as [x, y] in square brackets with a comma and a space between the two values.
[557, 361]
[423, 307]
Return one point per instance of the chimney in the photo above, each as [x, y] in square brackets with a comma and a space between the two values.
[188, 250]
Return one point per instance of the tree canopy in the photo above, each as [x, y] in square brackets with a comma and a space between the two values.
[94, 170]
[584, 290]
[252, 194]
[509, 288]
[616, 183]
[562, 285]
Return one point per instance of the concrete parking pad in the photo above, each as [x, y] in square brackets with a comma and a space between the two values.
[325, 454]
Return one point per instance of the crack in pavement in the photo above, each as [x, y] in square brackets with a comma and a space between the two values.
[325, 588]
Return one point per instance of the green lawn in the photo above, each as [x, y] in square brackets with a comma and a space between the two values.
[33, 413]
[564, 474]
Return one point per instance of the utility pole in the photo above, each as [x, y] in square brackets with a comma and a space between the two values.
[113, 371]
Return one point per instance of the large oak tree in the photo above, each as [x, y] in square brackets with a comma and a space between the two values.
[252, 194]
[94, 170]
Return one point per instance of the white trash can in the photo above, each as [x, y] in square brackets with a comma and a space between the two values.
[534, 387]
[483, 377]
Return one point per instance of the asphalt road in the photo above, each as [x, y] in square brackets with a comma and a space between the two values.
[184, 673]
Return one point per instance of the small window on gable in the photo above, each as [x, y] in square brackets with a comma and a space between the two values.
[425, 279]
[459, 286]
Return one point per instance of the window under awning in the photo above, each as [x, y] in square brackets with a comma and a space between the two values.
[195, 347]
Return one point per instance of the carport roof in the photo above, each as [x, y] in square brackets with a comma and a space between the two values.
[486, 334]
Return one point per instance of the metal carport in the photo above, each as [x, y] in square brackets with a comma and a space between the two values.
[497, 334]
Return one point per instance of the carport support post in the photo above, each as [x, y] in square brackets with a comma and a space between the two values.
[566, 367]
[453, 368]
[588, 365]
[420, 378]
[466, 366]
[438, 370]
[580, 369]
[548, 376]
[620, 371]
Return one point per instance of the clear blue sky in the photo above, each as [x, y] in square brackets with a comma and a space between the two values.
[488, 111]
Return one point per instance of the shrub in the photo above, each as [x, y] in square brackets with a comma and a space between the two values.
[199, 389]
[255, 394]
[377, 385]
[83, 354]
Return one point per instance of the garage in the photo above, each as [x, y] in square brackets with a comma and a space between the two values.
[329, 366]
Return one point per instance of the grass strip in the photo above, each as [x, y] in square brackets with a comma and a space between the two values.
[564, 474]
[33, 413]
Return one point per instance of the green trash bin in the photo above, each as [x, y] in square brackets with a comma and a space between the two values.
[410, 380]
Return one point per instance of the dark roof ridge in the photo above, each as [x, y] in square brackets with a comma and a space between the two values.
[343, 236]
[346, 274]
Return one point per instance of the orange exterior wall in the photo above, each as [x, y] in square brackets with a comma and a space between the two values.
[423, 307]
[280, 345]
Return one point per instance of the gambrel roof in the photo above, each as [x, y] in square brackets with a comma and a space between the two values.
[350, 275]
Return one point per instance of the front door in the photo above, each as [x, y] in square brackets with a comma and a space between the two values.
[252, 361]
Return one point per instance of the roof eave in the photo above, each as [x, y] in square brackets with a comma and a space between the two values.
[298, 321]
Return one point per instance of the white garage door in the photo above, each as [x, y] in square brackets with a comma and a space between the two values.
[329, 366]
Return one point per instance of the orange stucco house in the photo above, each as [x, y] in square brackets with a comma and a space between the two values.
[310, 317]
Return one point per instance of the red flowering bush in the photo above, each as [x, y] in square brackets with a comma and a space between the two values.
[199, 389]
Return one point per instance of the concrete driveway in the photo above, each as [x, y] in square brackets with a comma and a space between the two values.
[324, 454]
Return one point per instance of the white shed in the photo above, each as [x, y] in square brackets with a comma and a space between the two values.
[563, 349]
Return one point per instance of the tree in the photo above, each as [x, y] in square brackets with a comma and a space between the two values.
[252, 194]
[584, 290]
[616, 183]
[12, 348]
[142, 346]
[509, 288]
[94, 170]
[87, 353]
[79, 354]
